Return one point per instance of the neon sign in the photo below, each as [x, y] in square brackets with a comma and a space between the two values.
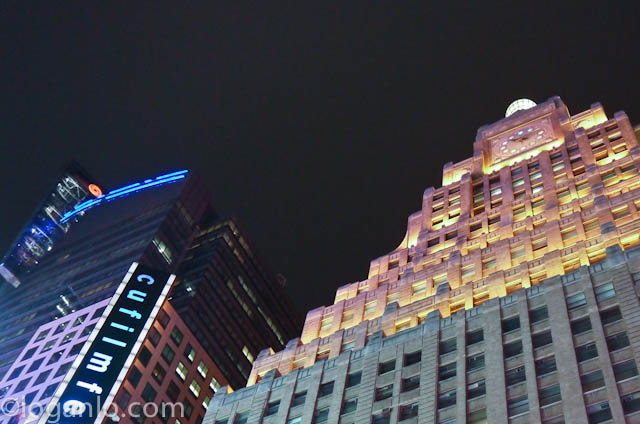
[123, 191]
[97, 373]
[95, 190]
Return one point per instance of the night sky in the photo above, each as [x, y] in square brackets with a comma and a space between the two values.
[318, 126]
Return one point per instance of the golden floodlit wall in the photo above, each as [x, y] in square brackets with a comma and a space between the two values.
[544, 193]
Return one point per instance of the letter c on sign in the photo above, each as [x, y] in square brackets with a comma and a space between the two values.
[144, 278]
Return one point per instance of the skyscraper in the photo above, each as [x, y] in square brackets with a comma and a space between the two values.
[71, 261]
[513, 297]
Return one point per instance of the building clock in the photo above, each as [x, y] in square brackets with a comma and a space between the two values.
[520, 140]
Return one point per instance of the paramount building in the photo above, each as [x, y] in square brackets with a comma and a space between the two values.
[513, 297]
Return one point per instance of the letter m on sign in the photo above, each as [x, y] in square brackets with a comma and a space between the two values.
[99, 362]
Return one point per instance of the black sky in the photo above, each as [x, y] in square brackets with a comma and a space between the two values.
[318, 125]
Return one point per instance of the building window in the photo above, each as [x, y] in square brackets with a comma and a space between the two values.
[518, 406]
[447, 399]
[610, 316]
[168, 354]
[194, 387]
[176, 335]
[476, 389]
[510, 324]
[474, 337]
[325, 389]
[447, 346]
[173, 391]
[447, 371]
[354, 379]
[576, 301]
[386, 367]
[617, 341]
[604, 291]
[477, 417]
[513, 349]
[538, 314]
[541, 339]
[203, 369]
[408, 411]
[182, 371]
[272, 408]
[349, 405]
[190, 353]
[515, 376]
[383, 418]
[599, 413]
[592, 381]
[412, 358]
[410, 383]
[149, 393]
[586, 352]
[545, 366]
[475, 362]
[549, 395]
[321, 416]
[580, 326]
[631, 403]
[625, 370]
[384, 392]
[241, 417]
[299, 399]
[159, 373]
[154, 336]
[144, 356]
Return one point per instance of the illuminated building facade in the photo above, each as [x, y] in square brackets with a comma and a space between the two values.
[50, 313]
[513, 297]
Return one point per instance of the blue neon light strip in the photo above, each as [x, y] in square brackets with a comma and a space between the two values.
[163, 179]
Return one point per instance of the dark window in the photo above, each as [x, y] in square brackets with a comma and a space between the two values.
[474, 362]
[190, 353]
[545, 365]
[541, 339]
[610, 316]
[163, 318]
[41, 379]
[624, 370]
[188, 410]
[477, 417]
[412, 358]
[384, 392]
[176, 335]
[144, 356]
[447, 346]
[410, 383]
[408, 411]
[134, 376]
[321, 415]
[476, 389]
[299, 399]
[154, 336]
[447, 371]
[137, 414]
[592, 381]
[350, 405]
[599, 413]
[123, 399]
[383, 418]
[576, 301]
[447, 399]
[354, 379]
[586, 352]
[149, 393]
[159, 373]
[631, 403]
[386, 367]
[474, 337]
[173, 391]
[550, 395]
[272, 408]
[325, 389]
[168, 354]
[49, 391]
[515, 376]
[518, 406]
[510, 324]
[580, 326]
[617, 341]
[513, 349]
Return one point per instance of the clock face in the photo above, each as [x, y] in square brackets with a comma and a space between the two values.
[517, 141]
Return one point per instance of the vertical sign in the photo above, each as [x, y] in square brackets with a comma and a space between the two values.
[99, 370]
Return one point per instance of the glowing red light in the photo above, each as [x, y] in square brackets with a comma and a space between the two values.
[95, 190]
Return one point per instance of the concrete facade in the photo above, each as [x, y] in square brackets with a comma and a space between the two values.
[532, 240]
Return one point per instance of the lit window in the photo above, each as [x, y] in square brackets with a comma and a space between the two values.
[182, 371]
[194, 387]
[203, 369]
